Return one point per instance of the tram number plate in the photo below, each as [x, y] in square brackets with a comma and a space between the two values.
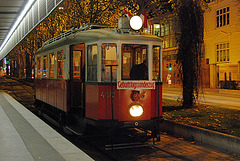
[107, 94]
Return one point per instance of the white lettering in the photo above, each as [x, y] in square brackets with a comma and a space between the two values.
[136, 85]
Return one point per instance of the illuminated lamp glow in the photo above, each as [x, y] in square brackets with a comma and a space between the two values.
[136, 22]
[23, 13]
[157, 26]
[136, 110]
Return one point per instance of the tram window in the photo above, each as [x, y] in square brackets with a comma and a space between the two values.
[156, 61]
[134, 62]
[60, 64]
[39, 69]
[92, 63]
[51, 65]
[76, 63]
[45, 66]
[109, 57]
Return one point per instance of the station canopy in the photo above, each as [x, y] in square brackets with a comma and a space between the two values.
[19, 17]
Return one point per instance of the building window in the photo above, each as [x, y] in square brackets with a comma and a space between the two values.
[223, 17]
[167, 33]
[156, 28]
[222, 51]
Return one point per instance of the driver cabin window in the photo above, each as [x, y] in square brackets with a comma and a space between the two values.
[134, 62]
[109, 61]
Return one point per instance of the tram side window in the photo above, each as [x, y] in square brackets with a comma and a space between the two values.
[39, 69]
[92, 63]
[109, 57]
[156, 62]
[134, 62]
[60, 64]
[76, 64]
[45, 69]
[51, 65]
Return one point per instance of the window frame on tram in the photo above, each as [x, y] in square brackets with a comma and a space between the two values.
[159, 61]
[51, 75]
[81, 48]
[51, 69]
[134, 61]
[100, 66]
[60, 59]
[92, 68]
[39, 67]
[45, 67]
[107, 59]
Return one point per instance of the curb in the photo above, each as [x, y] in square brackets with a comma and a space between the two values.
[211, 138]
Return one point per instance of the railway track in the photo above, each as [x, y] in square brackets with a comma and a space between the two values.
[22, 92]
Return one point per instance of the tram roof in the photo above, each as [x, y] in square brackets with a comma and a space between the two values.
[93, 35]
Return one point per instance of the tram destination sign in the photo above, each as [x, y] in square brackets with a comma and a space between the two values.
[136, 85]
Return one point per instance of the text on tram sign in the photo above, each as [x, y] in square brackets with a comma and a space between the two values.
[136, 85]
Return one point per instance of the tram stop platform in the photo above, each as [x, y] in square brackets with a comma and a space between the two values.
[23, 136]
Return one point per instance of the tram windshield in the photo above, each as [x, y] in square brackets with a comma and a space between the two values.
[134, 62]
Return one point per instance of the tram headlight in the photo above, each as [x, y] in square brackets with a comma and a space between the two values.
[136, 22]
[136, 110]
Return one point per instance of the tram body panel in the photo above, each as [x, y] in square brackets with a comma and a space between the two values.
[52, 92]
[157, 102]
[92, 99]
[98, 102]
[143, 98]
[99, 107]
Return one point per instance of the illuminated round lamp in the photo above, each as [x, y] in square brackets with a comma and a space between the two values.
[136, 110]
[136, 22]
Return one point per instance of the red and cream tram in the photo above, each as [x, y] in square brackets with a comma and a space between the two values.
[85, 73]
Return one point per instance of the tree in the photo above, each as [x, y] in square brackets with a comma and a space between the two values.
[191, 28]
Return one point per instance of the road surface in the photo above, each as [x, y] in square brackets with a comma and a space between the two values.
[221, 97]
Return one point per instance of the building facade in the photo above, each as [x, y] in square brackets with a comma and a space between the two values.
[222, 42]
[166, 27]
[220, 65]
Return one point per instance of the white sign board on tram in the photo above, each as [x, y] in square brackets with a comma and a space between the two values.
[135, 85]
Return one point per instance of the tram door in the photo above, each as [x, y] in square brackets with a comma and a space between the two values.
[77, 81]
